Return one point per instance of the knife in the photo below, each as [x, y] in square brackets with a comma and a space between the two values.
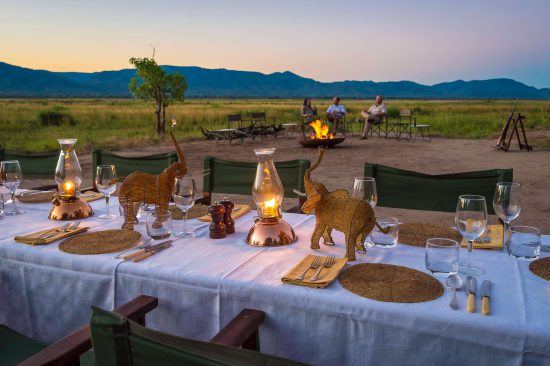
[144, 250]
[471, 288]
[486, 297]
[152, 250]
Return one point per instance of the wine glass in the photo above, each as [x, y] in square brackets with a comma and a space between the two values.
[184, 197]
[11, 177]
[471, 221]
[507, 206]
[105, 181]
[365, 189]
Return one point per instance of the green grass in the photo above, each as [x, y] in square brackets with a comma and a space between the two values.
[116, 124]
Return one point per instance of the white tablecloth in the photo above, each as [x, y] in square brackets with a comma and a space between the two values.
[201, 284]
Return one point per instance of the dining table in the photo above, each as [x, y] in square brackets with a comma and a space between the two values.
[202, 283]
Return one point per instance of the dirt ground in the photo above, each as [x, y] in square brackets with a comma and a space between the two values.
[340, 165]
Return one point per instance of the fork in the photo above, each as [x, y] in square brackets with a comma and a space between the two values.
[329, 262]
[314, 265]
[486, 238]
[63, 229]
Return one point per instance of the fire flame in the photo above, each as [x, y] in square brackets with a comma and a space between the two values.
[322, 130]
[270, 203]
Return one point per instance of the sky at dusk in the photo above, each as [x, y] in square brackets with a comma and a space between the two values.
[424, 41]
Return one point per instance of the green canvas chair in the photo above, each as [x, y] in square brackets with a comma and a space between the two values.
[153, 164]
[407, 189]
[236, 177]
[119, 341]
[33, 165]
[16, 349]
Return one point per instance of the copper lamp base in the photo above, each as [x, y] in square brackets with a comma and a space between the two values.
[271, 233]
[70, 208]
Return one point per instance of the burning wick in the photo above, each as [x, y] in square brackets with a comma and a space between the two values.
[173, 122]
[270, 208]
[69, 188]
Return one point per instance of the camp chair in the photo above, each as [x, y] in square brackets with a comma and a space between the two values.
[153, 164]
[15, 348]
[407, 189]
[33, 165]
[119, 341]
[380, 127]
[407, 123]
[236, 177]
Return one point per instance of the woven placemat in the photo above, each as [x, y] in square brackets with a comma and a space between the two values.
[541, 267]
[100, 242]
[193, 213]
[416, 233]
[390, 283]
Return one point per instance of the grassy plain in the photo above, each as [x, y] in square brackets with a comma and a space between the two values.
[116, 124]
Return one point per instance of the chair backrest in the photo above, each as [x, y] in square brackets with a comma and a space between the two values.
[236, 177]
[234, 121]
[407, 189]
[34, 165]
[119, 341]
[258, 117]
[407, 112]
[153, 164]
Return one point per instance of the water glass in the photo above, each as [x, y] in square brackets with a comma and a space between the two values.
[471, 221]
[525, 242]
[442, 256]
[11, 177]
[184, 196]
[507, 206]
[390, 239]
[159, 224]
[365, 189]
[105, 181]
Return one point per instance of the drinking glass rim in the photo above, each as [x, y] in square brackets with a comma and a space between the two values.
[366, 179]
[105, 166]
[447, 240]
[534, 230]
[471, 197]
[264, 150]
[509, 184]
[387, 220]
[9, 161]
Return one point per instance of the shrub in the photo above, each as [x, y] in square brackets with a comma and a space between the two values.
[56, 116]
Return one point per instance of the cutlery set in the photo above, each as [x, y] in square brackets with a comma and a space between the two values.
[316, 265]
[146, 251]
[455, 283]
[61, 229]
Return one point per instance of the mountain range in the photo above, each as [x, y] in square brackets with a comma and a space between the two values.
[17, 81]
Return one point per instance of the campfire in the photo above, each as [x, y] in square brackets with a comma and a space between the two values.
[321, 136]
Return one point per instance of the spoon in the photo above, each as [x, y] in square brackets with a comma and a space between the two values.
[455, 283]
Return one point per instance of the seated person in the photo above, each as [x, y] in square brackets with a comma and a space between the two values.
[308, 111]
[336, 112]
[374, 115]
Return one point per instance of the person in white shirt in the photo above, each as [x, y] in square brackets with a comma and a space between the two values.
[336, 112]
[374, 115]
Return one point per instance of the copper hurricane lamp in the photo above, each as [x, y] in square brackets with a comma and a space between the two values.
[68, 176]
[268, 192]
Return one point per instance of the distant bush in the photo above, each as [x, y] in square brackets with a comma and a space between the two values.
[56, 116]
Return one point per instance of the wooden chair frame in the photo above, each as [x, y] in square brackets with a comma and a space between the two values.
[242, 331]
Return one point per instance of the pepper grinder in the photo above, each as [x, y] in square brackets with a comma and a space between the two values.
[227, 219]
[217, 227]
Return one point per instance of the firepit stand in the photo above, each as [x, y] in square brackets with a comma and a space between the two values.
[309, 142]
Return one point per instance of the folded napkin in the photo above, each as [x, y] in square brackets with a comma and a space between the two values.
[242, 210]
[495, 234]
[48, 196]
[326, 277]
[34, 238]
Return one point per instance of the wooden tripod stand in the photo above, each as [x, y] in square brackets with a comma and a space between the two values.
[514, 120]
